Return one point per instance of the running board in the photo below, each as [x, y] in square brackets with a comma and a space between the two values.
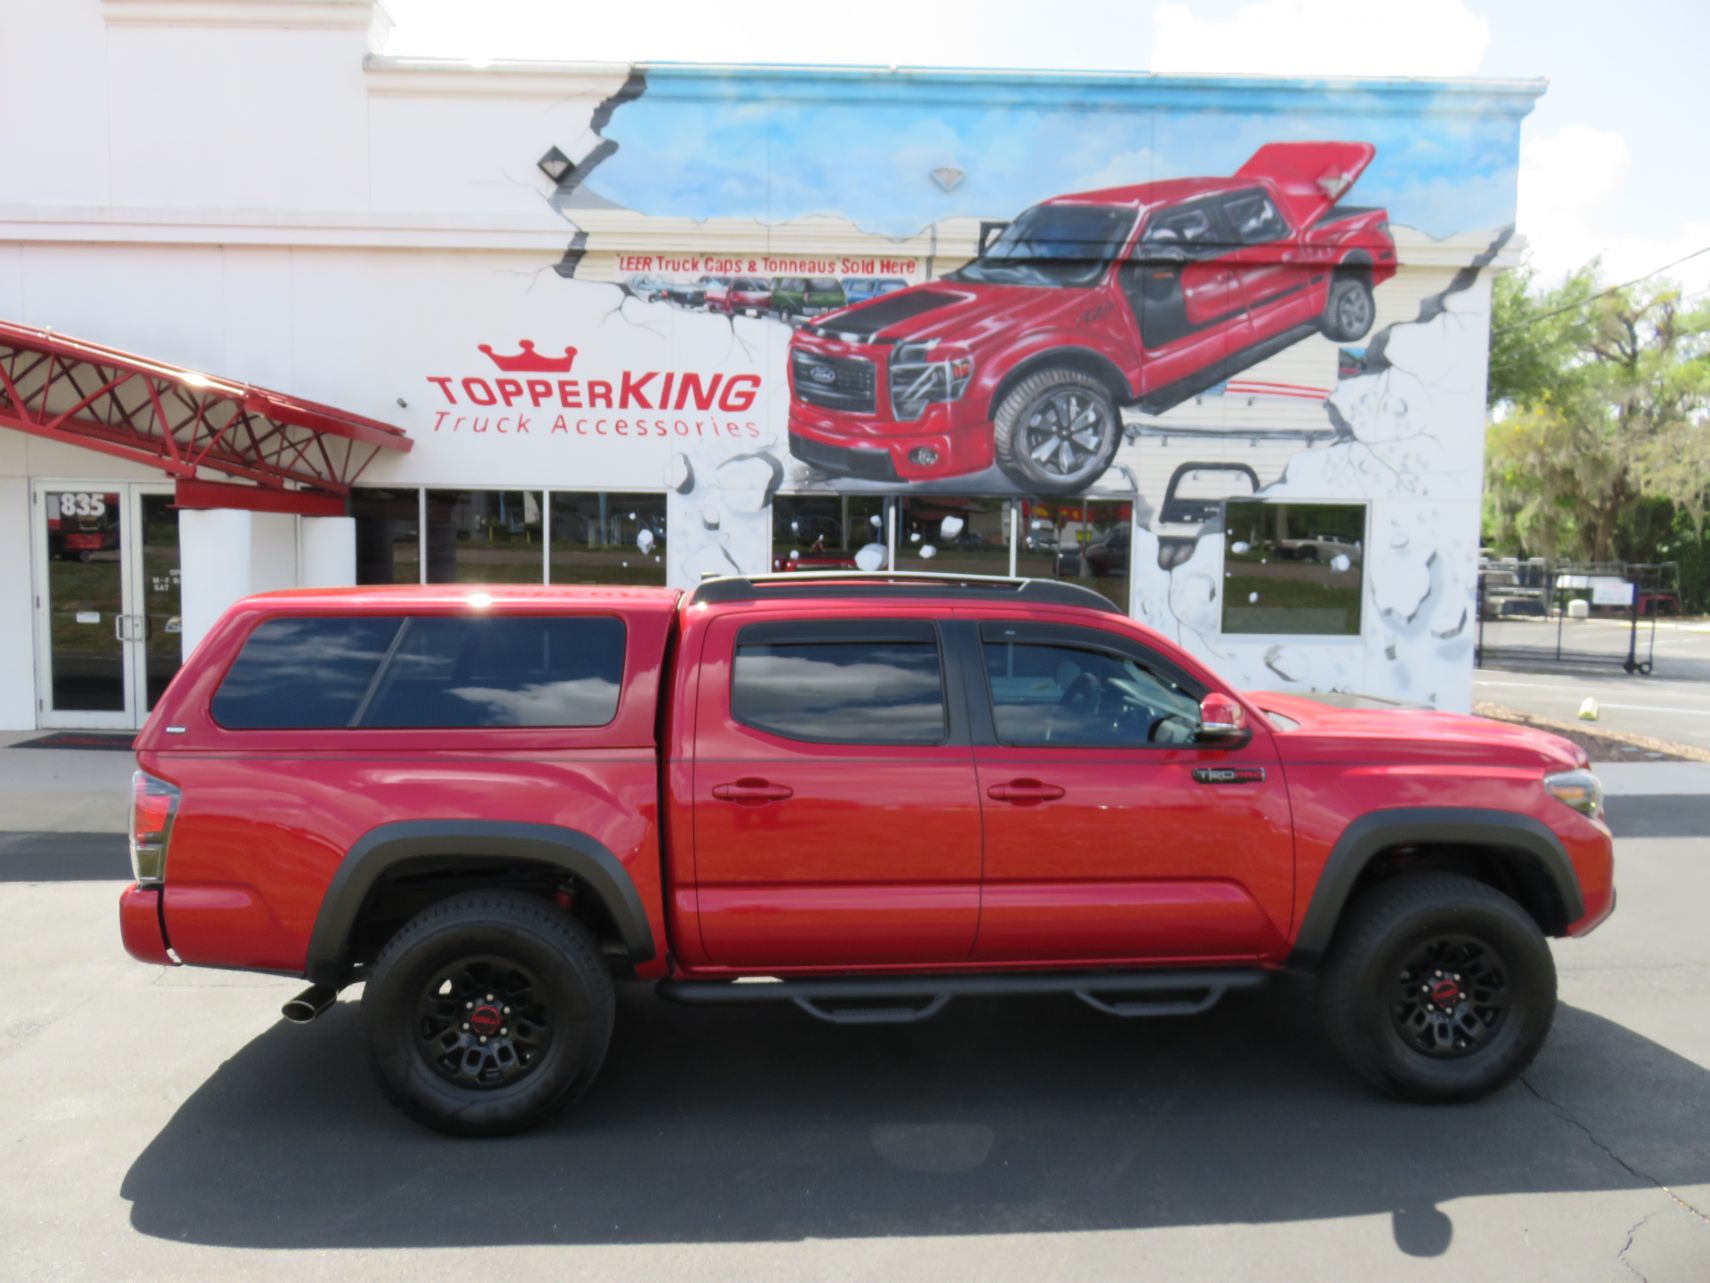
[886, 1000]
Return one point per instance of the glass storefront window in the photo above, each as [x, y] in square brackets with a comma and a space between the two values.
[828, 532]
[1293, 568]
[603, 537]
[1083, 540]
[388, 539]
[948, 535]
[484, 536]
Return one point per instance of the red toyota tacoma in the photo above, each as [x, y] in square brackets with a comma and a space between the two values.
[1131, 296]
[876, 792]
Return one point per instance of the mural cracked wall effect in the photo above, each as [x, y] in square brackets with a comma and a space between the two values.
[1255, 328]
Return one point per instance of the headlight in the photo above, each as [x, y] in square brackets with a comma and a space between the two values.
[1579, 789]
[922, 373]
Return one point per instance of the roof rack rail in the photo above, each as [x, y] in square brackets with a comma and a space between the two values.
[911, 583]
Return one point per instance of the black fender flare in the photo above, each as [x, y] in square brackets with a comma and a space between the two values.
[423, 843]
[1527, 840]
[1072, 355]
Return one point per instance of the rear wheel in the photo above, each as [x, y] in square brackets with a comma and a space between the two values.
[1348, 308]
[1438, 988]
[487, 1013]
[1056, 432]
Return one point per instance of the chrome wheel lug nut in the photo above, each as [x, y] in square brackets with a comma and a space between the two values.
[483, 1042]
[468, 1006]
[465, 1026]
[503, 1032]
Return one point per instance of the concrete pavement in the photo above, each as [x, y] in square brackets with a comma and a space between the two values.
[166, 1123]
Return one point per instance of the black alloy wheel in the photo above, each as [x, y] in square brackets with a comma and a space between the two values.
[1451, 996]
[484, 1023]
[1437, 987]
[487, 1013]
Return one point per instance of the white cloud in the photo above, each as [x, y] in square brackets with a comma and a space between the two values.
[1324, 38]
[1568, 182]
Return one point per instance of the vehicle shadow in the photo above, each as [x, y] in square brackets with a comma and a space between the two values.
[760, 1124]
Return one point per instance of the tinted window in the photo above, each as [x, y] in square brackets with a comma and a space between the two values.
[866, 692]
[1066, 696]
[450, 671]
[516, 671]
[1254, 218]
[300, 673]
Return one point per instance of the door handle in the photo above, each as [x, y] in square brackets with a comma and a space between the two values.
[1024, 792]
[751, 791]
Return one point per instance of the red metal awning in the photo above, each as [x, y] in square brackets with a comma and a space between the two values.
[179, 420]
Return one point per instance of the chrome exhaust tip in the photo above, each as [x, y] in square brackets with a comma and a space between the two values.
[309, 1004]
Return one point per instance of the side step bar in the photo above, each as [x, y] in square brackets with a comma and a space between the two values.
[880, 1000]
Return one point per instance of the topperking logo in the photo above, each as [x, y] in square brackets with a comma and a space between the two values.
[536, 393]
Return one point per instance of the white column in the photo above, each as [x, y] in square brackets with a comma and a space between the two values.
[214, 552]
[17, 618]
[326, 552]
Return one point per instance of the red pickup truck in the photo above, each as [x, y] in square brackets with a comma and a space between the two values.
[1131, 296]
[874, 792]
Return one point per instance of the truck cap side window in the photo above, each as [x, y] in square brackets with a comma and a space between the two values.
[841, 682]
[392, 672]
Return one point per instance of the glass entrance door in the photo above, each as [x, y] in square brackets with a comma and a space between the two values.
[107, 601]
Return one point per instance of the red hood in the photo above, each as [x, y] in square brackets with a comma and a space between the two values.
[967, 313]
[1374, 731]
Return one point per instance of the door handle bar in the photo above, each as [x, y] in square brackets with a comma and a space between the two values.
[1023, 792]
[752, 791]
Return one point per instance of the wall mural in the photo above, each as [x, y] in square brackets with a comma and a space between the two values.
[1101, 298]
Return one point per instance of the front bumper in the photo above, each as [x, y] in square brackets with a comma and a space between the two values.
[142, 928]
[858, 445]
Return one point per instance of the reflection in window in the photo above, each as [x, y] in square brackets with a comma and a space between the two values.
[828, 532]
[949, 535]
[1293, 568]
[1066, 696]
[302, 673]
[855, 693]
[606, 537]
[484, 536]
[514, 671]
[1083, 540]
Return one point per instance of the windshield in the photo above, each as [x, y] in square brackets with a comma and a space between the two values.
[1053, 245]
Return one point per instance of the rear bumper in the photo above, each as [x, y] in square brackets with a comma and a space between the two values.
[141, 927]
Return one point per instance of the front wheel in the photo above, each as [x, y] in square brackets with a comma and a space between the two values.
[1438, 988]
[487, 1013]
[1056, 432]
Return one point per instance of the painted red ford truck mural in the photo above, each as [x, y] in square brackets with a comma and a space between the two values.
[876, 791]
[1136, 296]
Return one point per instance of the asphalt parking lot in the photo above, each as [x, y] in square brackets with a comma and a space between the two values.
[1672, 702]
[167, 1123]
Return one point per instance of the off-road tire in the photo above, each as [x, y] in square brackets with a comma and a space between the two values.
[1381, 929]
[1017, 409]
[527, 930]
[1348, 308]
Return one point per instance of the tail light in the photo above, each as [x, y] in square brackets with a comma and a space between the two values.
[153, 804]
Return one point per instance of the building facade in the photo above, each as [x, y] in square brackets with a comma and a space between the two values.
[1213, 347]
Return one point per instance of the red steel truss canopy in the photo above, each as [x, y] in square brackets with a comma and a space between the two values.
[179, 420]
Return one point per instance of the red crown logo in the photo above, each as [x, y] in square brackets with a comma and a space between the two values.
[528, 361]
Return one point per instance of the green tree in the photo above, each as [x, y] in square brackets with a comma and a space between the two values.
[1600, 416]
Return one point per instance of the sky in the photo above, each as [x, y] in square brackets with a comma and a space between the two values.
[1614, 160]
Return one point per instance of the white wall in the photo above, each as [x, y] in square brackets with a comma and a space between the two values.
[17, 620]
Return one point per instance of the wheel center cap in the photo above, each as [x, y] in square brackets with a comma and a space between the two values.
[1445, 993]
[485, 1020]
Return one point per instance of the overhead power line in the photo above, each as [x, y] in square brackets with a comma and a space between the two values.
[1613, 289]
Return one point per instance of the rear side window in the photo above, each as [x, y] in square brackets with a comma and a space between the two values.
[298, 674]
[883, 688]
[425, 671]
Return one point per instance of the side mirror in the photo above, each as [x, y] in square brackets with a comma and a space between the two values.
[1221, 721]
